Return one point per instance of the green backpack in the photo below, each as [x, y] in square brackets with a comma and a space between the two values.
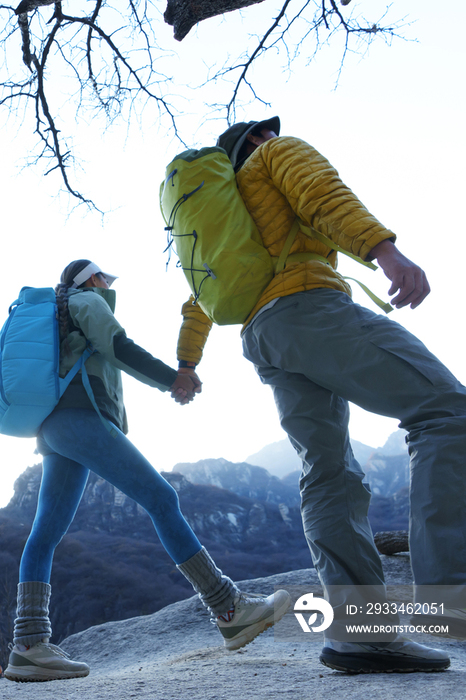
[219, 247]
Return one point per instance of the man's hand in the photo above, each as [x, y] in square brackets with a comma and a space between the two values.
[184, 388]
[407, 278]
[194, 378]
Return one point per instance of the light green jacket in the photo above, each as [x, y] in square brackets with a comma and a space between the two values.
[91, 311]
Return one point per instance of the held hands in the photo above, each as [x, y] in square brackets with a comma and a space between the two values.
[185, 386]
[406, 277]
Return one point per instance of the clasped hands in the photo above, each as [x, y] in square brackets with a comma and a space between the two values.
[185, 386]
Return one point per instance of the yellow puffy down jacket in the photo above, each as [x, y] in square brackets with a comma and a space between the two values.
[284, 178]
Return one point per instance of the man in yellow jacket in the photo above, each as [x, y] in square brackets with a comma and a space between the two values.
[318, 350]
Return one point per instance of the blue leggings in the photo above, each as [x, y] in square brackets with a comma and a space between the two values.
[72, 442]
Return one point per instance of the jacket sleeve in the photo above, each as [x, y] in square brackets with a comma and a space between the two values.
[317, 195]
[194, 332]
[95, 319]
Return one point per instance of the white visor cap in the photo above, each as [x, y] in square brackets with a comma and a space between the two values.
[89, 270]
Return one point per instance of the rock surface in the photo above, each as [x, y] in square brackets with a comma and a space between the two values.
[392, 542]
[175, 653]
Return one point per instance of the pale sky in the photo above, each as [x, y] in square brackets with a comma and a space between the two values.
[394, 128]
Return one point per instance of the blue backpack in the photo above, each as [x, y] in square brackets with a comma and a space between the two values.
[30, 385]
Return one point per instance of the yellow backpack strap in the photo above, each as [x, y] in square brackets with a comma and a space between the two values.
[298, 225]
[385, 306]
[312, 233]
[281, 261]
[287, 247]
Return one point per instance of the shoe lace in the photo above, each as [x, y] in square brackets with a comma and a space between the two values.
[251, 598]
[56, 650]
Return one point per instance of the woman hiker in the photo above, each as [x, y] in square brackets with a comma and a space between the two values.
[74, 440]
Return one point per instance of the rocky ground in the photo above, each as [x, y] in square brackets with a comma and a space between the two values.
[176, 654]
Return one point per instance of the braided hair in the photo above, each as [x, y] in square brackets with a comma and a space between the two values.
[61, 292]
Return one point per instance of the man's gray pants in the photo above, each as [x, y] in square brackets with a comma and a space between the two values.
[318, 350]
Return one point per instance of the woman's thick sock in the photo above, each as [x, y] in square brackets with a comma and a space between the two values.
[217, 591]
[32, 623]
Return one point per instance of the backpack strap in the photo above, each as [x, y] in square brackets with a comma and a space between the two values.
[384, 305]
[80, 365]
[312, 233]
[87, 385]
[287, 247]
[65, 381]
[309, 231]
[284, 257]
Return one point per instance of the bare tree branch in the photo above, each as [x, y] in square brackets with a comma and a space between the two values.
[101, 61]
[107, 59]
[247, 65]
[54, 148]
[327, 15]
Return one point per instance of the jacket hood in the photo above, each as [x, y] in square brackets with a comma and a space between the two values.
[233, 138]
